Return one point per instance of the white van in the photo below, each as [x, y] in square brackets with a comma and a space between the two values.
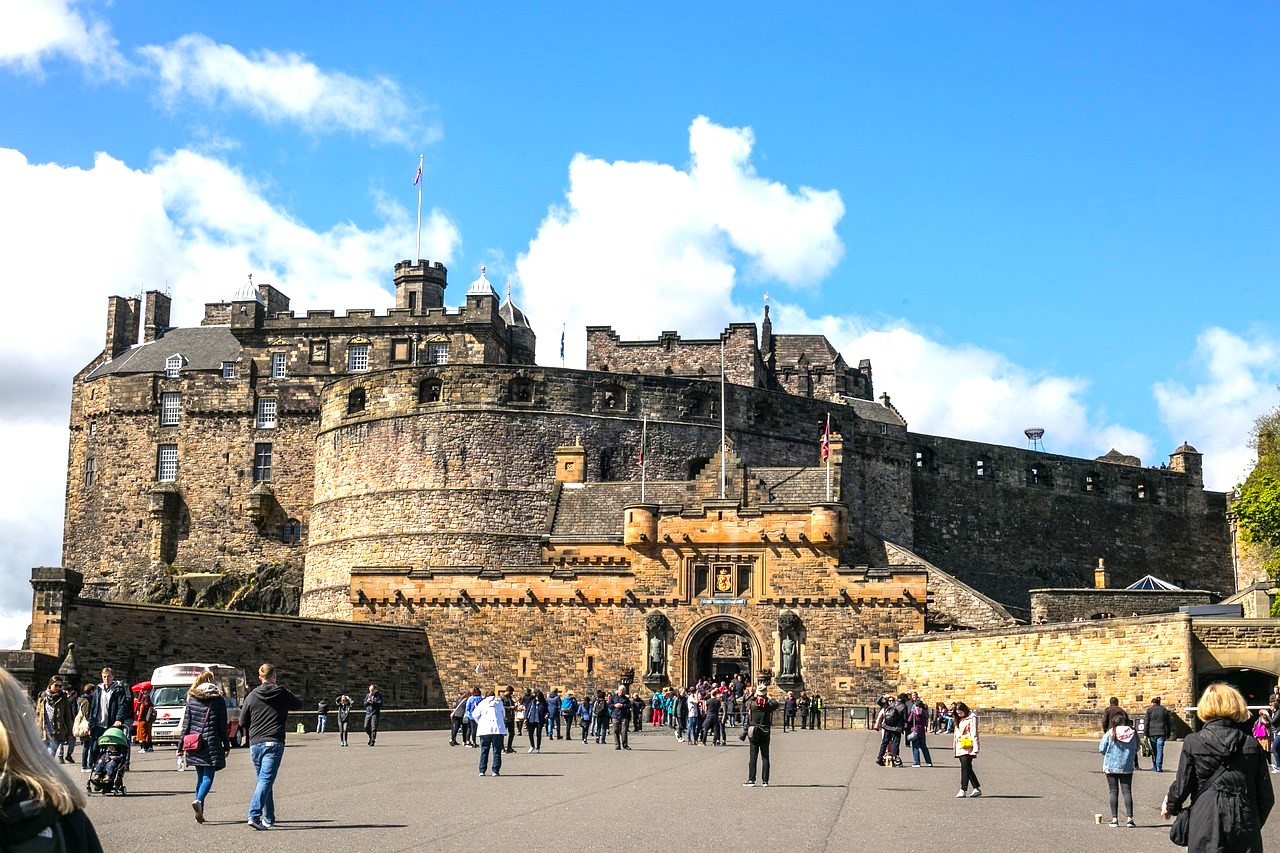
[169, 686]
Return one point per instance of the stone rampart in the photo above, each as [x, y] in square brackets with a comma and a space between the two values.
[1067, 605]
[1064, 671]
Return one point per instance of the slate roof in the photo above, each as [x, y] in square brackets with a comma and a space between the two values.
[869, 410]
[202, 348]
[815, 349]
[791, 485]
[513, 315]
[595, 509]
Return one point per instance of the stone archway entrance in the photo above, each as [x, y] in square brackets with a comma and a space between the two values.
[1254, 684]
[721, 648]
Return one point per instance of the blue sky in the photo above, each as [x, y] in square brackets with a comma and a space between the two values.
[1024, 215]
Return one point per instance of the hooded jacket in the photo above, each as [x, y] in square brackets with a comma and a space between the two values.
[25, 820]
[1119, 753]
[265, 713]
[1227, 818]
[489, 716]
[206, 716]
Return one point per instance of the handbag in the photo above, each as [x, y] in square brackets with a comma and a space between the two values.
[911, 736]
[1180, 829]
[191, 742]
[80, 728]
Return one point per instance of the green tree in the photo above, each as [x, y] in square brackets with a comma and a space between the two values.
[1257, 504]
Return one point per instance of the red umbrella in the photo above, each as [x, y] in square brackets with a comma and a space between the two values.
[141, 685]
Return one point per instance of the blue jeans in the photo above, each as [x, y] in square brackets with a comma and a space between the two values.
[918, 746]
[488, 742]
[553, 723]
[1157, 752]
[1275, 751]
[320, 721]
[204, 781]
[266, 760]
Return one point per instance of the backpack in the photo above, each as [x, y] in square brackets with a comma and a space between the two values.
[599, 707]
[893, 717]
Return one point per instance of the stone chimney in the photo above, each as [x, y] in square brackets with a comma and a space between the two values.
[571, 463]
[1101, 577]
[156, 320]
[122, 324]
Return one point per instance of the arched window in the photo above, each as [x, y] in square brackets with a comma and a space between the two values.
[355, 401]
[611, 398]
[429, 391]
[291, 532]
[521, 390]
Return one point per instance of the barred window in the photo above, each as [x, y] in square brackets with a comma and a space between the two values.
[228, 370]
[279, 361]
[167, 463]
[437, 353]
[172, 365]
[261, 462]
[267, 413]
[170, 408]
[90, 472]
[358, 358]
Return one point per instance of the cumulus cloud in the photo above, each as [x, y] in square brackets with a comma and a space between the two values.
[637, 243]
[285, 87]
[189, 223]
[34, 31]
[1236, 377]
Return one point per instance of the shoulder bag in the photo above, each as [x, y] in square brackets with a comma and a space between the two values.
[191, 742]
[1180, 831]
[80, 728]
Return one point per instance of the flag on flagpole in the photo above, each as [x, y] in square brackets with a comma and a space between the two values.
[826, 440]
[418, 177]
[562, 343]
[644, 434]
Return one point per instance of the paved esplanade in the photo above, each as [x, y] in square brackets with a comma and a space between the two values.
[414, 792]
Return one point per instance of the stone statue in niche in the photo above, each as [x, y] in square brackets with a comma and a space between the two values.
[789, 627]
[656, 625]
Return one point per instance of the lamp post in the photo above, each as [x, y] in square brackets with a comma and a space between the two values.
[627, 678]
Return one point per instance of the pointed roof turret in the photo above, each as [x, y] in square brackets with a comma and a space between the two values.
[247, 291]
[509, 312]
[481, 286]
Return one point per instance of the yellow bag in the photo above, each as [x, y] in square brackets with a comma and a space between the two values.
[966, 742]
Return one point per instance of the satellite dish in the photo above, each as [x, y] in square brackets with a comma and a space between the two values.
[1034, 438]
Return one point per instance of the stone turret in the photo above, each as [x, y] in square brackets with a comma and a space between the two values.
[1189, 461]
[420, 285]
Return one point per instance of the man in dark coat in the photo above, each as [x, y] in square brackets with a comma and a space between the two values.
[265, 716]
[372, 713]
[1113, 713]
[1159, 726]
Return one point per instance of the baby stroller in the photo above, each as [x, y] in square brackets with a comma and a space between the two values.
[110, 765]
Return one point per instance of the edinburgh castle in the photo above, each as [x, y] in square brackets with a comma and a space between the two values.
[418, 470]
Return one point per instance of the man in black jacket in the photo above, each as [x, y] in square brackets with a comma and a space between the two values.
[112, 706]
[1113, 713]
[1159, 725]
[265, 716]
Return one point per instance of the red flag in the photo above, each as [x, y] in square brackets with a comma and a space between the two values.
[826, 440]
[418, 176]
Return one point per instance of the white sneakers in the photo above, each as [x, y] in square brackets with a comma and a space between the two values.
[977, 792]
[960, 795]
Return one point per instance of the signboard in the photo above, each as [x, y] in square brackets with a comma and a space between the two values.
[722, 601]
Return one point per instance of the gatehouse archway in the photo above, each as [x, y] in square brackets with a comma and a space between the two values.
[1254, 684]
[720, 648]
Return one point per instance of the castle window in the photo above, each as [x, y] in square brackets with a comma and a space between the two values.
[1033, 476]
[266, 413]
[228, 370]
[90, 472]
[521, 391]
[610, 398]
[400, 350]
[93, 429]
[170, 408]
[261, 462]
[606, 464]
[438, 353]
[167, 463]
[721, 580]
[919, 458]
[355, 401]
[291, 532]
[1090, 482]
[413, 302]
[429, 391]
[358, 358]
[1140, 493]
[981, 469]
[172, 365]
[279, 361]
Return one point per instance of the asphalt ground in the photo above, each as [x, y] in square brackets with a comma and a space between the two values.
[415, 792]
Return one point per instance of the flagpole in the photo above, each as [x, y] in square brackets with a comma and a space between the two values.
[644, 440]
[826, 451]
[722, 443]
[418, 256]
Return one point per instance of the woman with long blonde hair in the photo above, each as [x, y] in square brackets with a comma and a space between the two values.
[36, 798]
[205, 721]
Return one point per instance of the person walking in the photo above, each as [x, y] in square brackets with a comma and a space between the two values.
[1119, 748]
[469, 735]
[86, 704]
[892, 724]
[601, 709]
[965, 741]
[756, 732]
[144, 713]
[1275, 737]
[1109, 715]
[54, 715]
[372, 713]
[509, 717]
[205, 720]
[491, 728]
[535, 718]
[343, 706]
[789, 712]
[112, 707]
[585, 715]
[322, 715]
[458, 720]
[917, 732]
[553, 714]
[1159, 725]
[39, 807]
[265, 716]
[620, 714]
[1223, 774]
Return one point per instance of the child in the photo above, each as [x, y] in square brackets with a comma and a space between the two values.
[109, 762]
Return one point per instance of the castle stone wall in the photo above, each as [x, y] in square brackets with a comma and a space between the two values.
[1009, 530]
[1061, 671]
[1064, 605]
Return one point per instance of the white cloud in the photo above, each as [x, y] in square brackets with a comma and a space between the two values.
[33, 31]
[639, 243]
[191, 223]
[1237, 379]
[285, 87]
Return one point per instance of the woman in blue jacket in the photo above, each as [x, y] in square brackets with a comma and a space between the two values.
[1119, 748]
[535, 718]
